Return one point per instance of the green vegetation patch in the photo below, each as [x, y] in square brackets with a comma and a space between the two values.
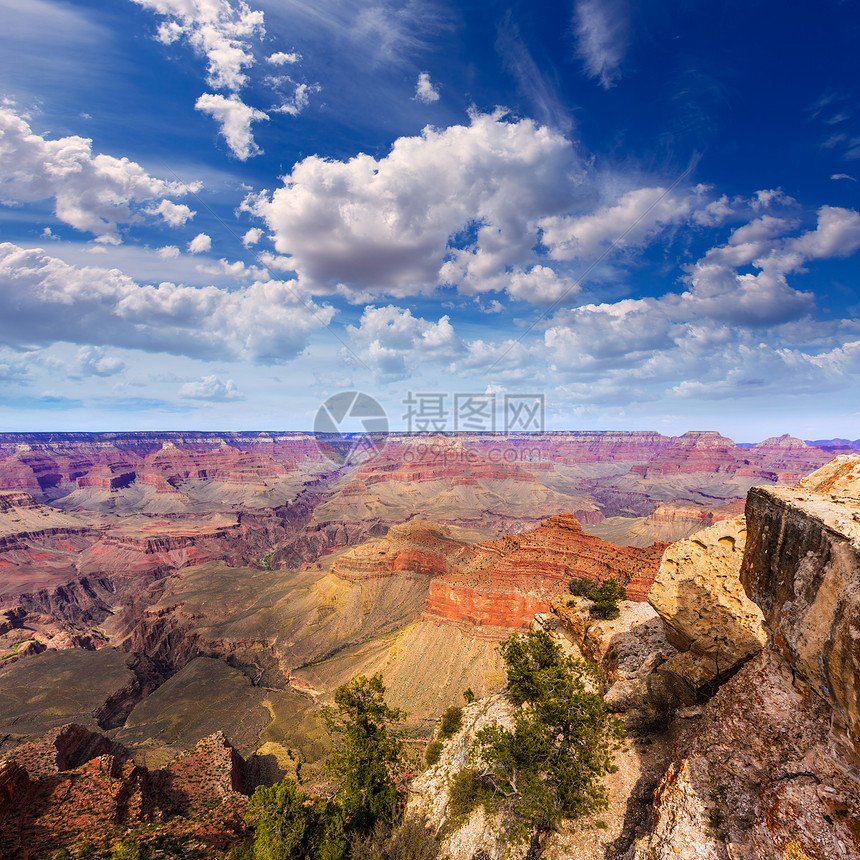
[550, 766]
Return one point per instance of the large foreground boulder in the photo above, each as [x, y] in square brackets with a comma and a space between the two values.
[707, 615]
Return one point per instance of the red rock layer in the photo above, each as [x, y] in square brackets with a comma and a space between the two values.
[505, 582]
[505, 609]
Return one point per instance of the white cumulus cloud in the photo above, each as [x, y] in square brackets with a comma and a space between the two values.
[282, 58]
[173, 214]
[92, 193]
[97, 361]
[234, 120]
[200, 244]
[425, 91]
[299, 100]
[391, 340]
[401, 224]
[628, 222]
[45, 300]
[252, 237]
[216, 29]
[210, 388]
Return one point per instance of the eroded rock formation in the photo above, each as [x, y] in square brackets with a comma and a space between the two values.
[802, 567]
[74, 787]
[772, 771]
[707, 615]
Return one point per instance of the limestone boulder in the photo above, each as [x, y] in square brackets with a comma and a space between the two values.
[706, 612]
[629, 646]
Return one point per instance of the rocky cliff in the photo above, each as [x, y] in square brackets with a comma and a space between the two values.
[802, 567]
[772, 771]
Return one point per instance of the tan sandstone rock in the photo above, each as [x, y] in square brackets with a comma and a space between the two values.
[840, 477]
[707, 615]
[429, 793]
[629, 646]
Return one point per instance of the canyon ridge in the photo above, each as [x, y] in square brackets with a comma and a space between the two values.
[175, 609]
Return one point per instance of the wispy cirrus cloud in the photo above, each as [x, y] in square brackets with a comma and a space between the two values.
[602, 31]
[536, 86]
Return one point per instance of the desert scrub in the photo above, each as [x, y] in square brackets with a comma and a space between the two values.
[452, 719]
[465, 792]
[413, 839]
[433, 752]
[579, 586]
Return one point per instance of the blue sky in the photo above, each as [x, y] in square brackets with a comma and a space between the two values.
[216, 214]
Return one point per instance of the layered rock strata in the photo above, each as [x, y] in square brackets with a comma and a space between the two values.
[773, 770]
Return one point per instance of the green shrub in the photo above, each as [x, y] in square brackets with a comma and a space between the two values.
[433, 752]
[452, 719]
[579, 586]
[87, 850]
[606, 597]
[468, 696]
[292, 825]
[549, 767]
[369, 751]
[465, 792]
[244, 851]
[129, 849]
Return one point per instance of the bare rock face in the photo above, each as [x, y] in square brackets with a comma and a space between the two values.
[758, 782]
[626, 647]
[708, 616]
[802, 566]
